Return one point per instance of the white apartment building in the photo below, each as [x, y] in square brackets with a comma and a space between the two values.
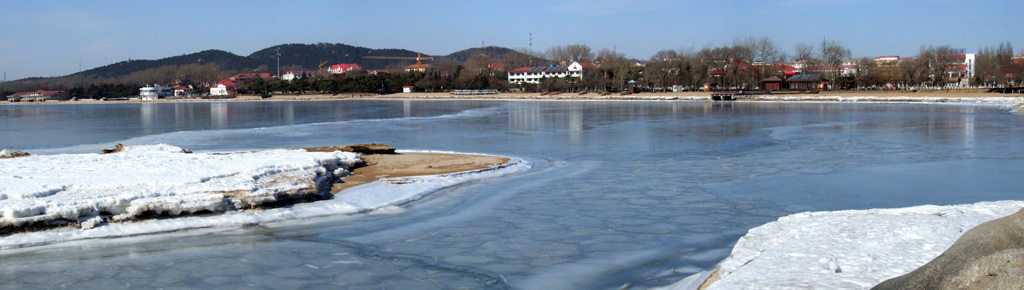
[532, 75]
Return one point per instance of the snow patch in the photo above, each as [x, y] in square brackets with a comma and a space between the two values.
[96, 190]
[849, 249]
[157, 180]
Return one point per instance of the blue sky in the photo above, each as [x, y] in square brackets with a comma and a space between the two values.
[52, 38]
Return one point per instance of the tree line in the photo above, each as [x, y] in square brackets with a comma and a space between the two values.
[739, 65]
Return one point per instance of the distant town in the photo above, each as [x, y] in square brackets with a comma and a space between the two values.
[750, 64]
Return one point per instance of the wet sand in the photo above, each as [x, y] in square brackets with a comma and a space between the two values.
[414, 164]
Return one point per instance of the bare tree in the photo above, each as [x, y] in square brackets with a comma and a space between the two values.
[767, 55]
[664, 55]
[805, 55]
[993, 64]
[831, 55]
[572, 52]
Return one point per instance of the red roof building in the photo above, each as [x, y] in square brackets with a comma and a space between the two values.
[36, 96]
[224, 88]
[496, 66]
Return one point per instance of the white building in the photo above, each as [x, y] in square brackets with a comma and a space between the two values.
[532, 75]
[155, 92]
[294, 74]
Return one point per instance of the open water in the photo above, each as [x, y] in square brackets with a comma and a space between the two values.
[622, 192]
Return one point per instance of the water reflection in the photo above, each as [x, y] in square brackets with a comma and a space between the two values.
[148, 117]
[219, 115]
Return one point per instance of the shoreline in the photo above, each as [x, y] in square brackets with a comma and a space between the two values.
[924, 96]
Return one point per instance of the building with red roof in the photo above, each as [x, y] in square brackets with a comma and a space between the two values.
[37, 96]
[224, 88]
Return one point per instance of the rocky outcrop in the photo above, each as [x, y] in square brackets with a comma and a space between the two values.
[990, 256]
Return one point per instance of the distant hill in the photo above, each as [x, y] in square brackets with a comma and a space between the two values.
[309, 56]
[226, 60]
[493, 52]
[306, 56]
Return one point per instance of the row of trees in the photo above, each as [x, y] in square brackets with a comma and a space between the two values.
[741, 64]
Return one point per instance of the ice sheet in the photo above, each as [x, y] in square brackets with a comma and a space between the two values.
[162, 179]
[853, 249]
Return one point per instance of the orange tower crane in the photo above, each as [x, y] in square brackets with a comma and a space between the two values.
[419, 57]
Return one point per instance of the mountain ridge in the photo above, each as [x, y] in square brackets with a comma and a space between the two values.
[292, 56]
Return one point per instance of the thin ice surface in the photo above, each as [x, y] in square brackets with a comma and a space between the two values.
[850, 249]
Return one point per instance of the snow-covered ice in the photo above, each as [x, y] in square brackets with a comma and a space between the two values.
[11, 153]
[851, 249]
[164, 180]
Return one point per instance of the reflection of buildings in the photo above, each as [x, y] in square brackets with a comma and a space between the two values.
[289, 112]
[533, 118]
[218, 115]
[148, 115]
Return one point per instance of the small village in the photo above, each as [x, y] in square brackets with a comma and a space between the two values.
[716, 72]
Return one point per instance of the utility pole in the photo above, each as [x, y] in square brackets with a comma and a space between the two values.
[278, 63]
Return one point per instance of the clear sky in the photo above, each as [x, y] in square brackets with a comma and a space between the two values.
[55, 38]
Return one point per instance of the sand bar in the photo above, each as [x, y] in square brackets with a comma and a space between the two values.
[414, 164]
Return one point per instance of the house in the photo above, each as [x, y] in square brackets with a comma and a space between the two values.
[183, 92]
[294, 74]
[155, 92]
[785, 69]
[343, 68]
[224, 88]
[532, 75]
[959, 63]
[407, 89]
[37, 96]
[808, 82]
[773, 83]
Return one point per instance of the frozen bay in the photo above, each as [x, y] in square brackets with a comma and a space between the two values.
[621, 192]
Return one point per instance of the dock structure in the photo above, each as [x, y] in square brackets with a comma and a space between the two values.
[717, 97]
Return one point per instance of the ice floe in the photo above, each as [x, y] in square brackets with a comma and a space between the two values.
[105, 195]
[852, 249]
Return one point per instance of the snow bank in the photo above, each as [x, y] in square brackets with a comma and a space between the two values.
[160, 178]
[9, 153]
[853, 249]
[157, 180]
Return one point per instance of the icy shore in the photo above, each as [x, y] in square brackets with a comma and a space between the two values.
[854, 249]
[99, 194]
